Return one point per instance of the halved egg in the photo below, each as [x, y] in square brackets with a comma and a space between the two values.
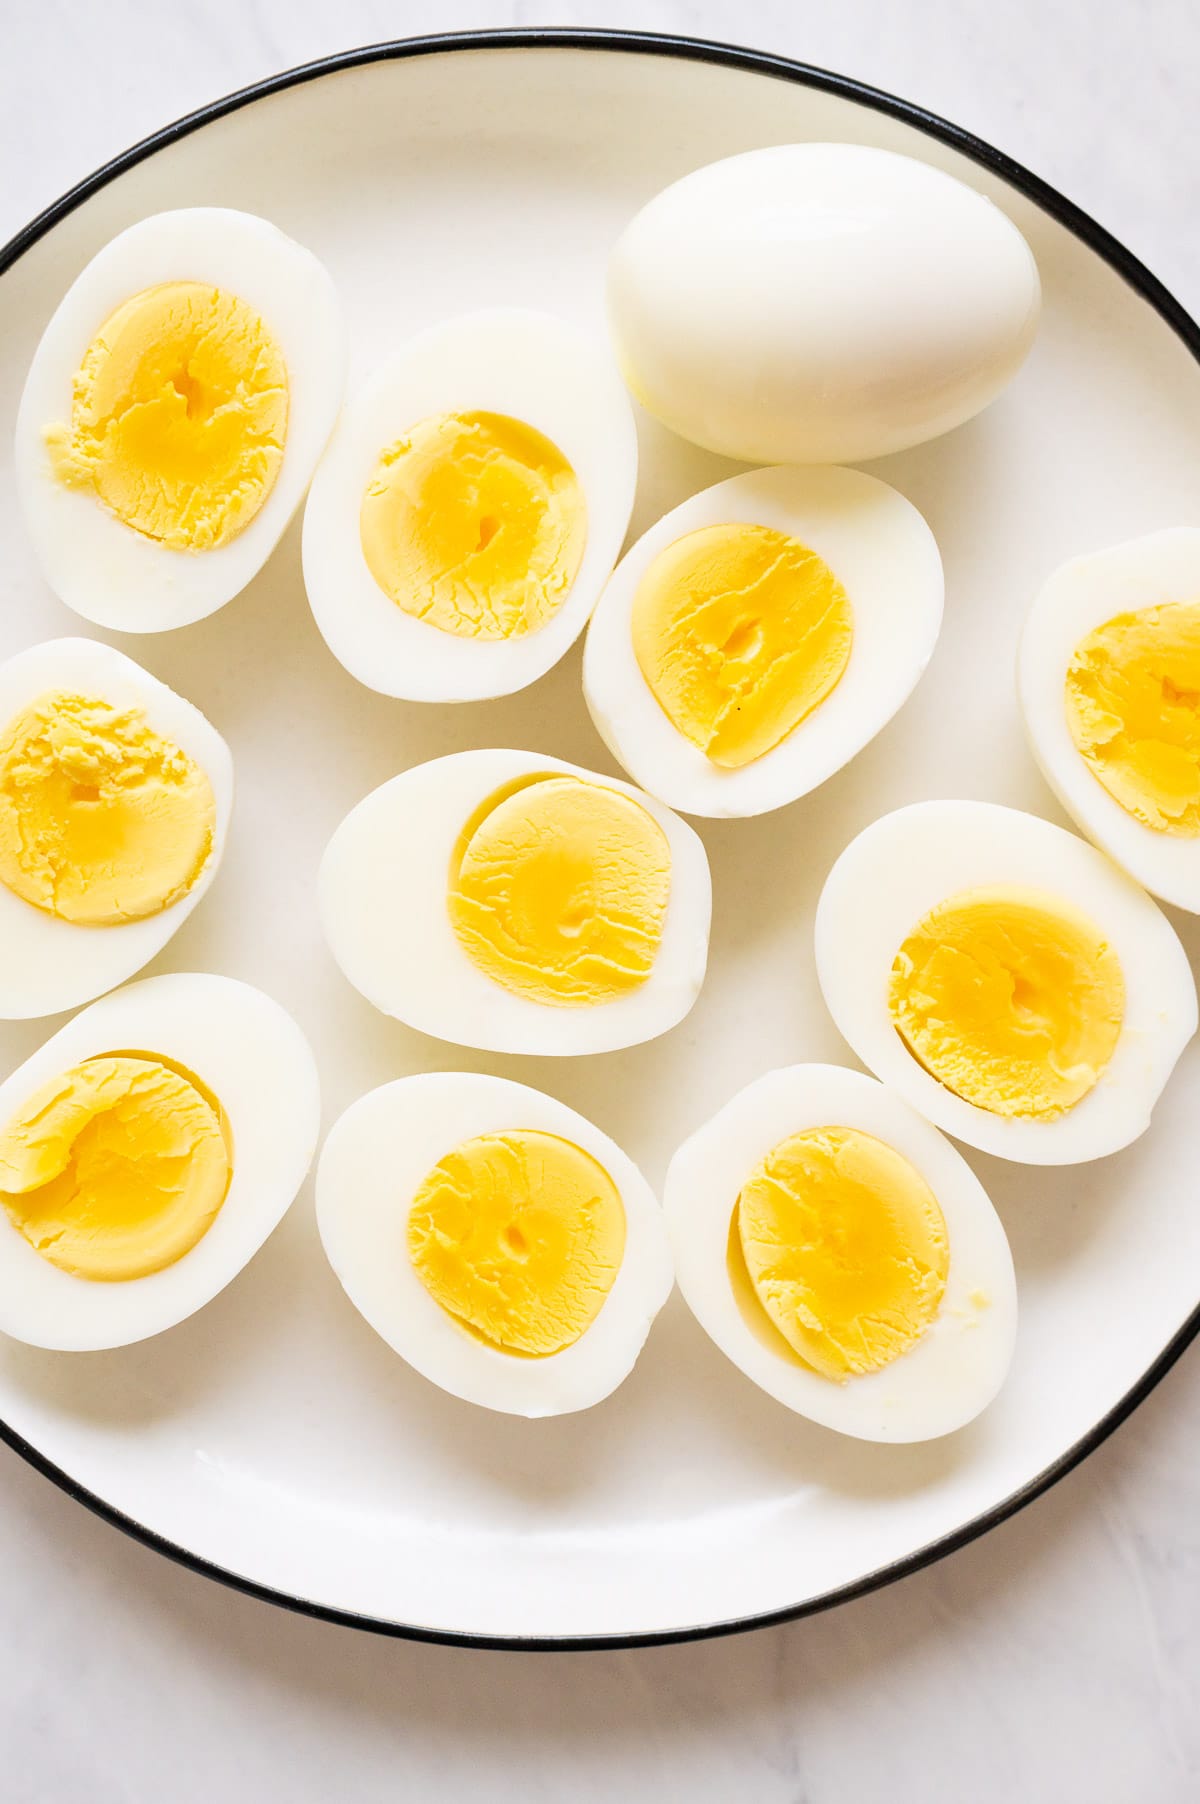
[498, 1241]
[842, 1254]
[1109, 684]
[1008, 980]
[517, 903]
[174, 413]
[146, 1152]
[115, 798]
[760, 634]
[470, 507]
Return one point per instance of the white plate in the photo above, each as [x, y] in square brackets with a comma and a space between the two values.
[274, 1439]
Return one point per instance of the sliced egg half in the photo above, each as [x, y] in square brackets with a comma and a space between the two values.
[115, 799]
[517, 903]
[470, 507]
[500, 1243]
[1109, 683]
[146, 1152]
[174, 413]
[1007, 979]
[760, 635]
[842, 1254]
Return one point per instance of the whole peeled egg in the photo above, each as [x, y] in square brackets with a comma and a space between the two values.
[820, 303]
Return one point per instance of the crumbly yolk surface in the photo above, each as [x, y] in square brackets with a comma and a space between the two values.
[115, 1169]
[179, 414]
[559, 889]
[846, 1248]
[740, 632]
[520, 1237]
[1133, 710]
[475, 523]
[101, 819]
[1011, 998]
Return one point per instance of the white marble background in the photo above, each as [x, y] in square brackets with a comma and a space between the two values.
[1059, 1658]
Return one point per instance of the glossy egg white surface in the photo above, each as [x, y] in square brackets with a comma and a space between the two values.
[107, 571]
[46, 963]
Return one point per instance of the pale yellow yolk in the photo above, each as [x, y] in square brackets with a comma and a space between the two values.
[115, 1169]
[179, 414]
[520, 1237]
[559, 888]
[476, 524]
[845, 1246]
[1133, 709]
[740, 632]
[1012, 999]
[101, 819]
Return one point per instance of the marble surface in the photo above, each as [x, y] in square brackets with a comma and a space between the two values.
[1057, 1658]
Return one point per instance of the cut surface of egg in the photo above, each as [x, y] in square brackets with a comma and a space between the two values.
[498, 1241]
[843, 1255]
[174, 413]
[1005, 978]
[470, 506]
[760, 634]
[1109, 684]
[516, 903]
[115, 801]
[146, 1152]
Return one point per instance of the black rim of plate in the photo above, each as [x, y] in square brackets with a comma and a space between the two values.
[1059, 208]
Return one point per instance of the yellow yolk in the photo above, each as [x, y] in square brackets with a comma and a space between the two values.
[845, 1247]
[740, 632]
[520, 1237]
[1012, 999]
[179, 414]
[1133, 709]
[559, 888]
[101, 819]
[116, 1168]
[476, 524]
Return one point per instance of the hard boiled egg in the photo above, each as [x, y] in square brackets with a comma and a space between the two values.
[760, 634]
[174, 412]
[115, 798]
[820, 303]
[146, 1152]
[517, 903]
[471, 505]
[1109, 682]
[844, 1256]
[500, 1243]
[1005, 978]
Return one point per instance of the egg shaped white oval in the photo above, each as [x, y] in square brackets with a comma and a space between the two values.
[382, 897]
[524, 367]
[882, 553]
[959, 1362]
[902, 866]
[1160, 570]
[372, 1164]
[48, 963]
[254, 1060]
[110, 572]
[820, 303]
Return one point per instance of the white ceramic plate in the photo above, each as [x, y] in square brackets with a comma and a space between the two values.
[274, 1440]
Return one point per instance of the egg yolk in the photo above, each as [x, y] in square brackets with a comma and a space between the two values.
[1012, 999]
[845, 1247]
[1133, 709]
[476, 524]
[559, 888]
[740, 632]
[101, 819]
[520, 1237]
[179, 413]
[117, 1168]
